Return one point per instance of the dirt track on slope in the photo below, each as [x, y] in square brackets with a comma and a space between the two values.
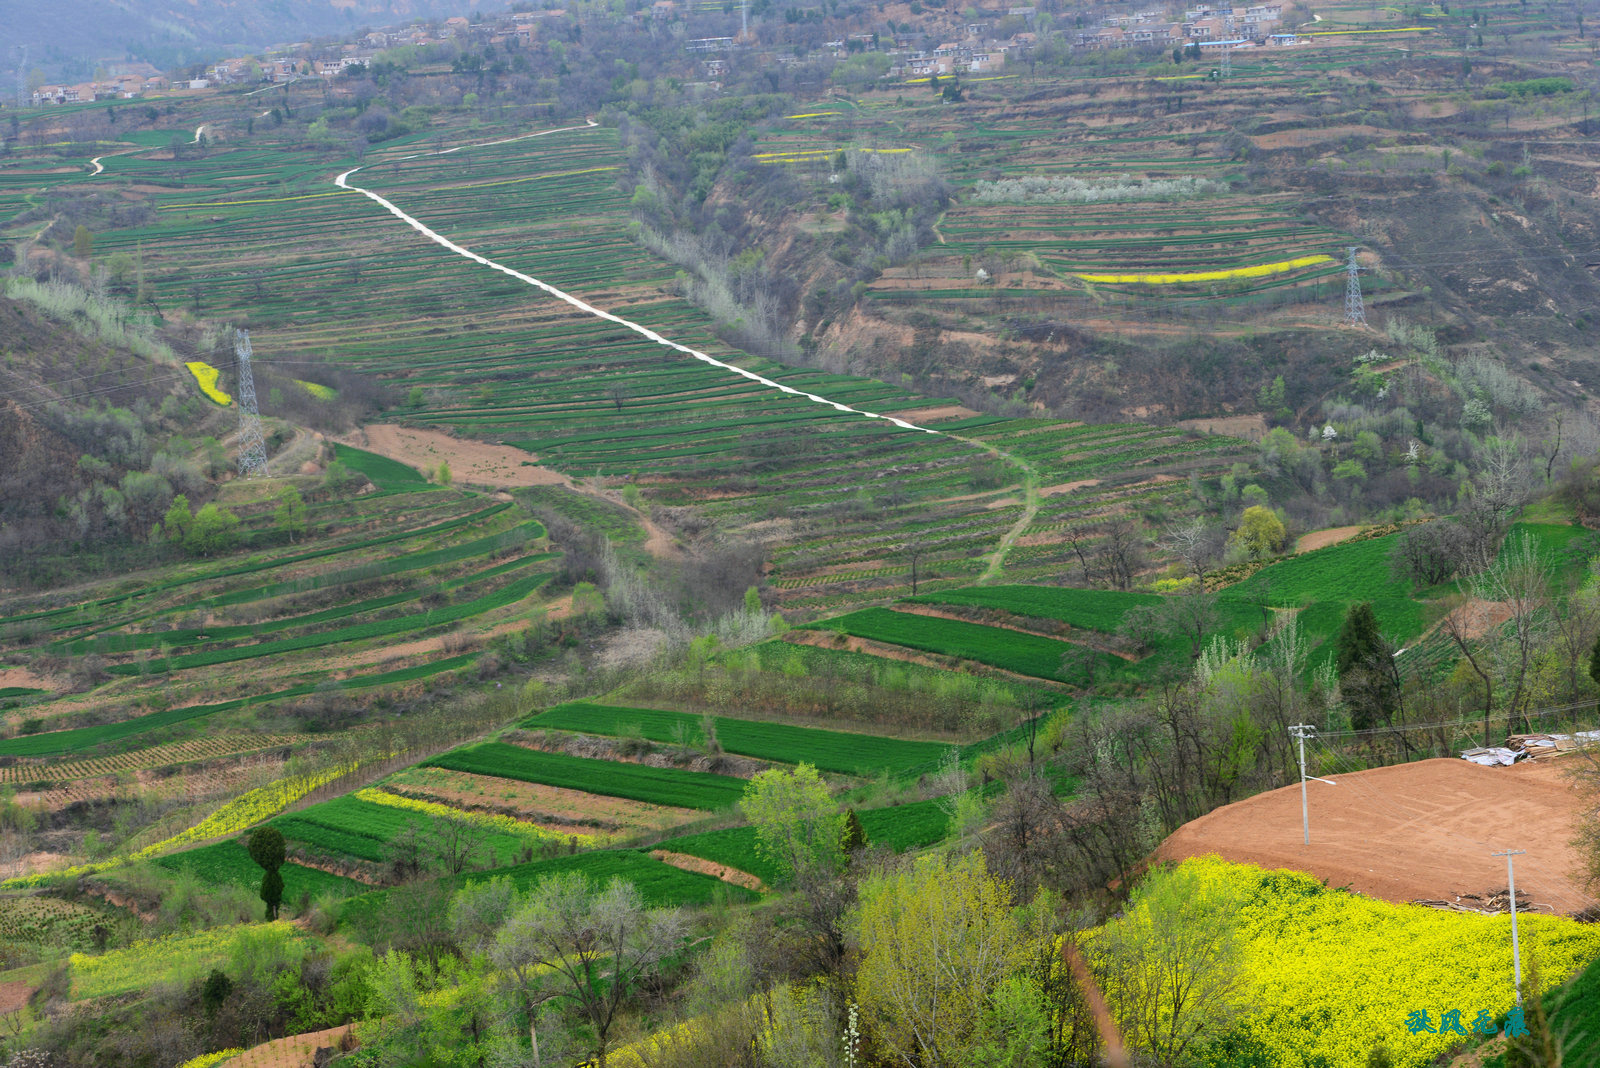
[1423, 830]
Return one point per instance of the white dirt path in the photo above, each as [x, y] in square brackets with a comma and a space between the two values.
[343, 182]
[1030, 480]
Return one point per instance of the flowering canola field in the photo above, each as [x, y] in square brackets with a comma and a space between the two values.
[490, 820]
[207, 376]
[1259, 270]
[1329, 974]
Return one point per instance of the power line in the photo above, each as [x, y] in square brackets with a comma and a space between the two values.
[1549, 711]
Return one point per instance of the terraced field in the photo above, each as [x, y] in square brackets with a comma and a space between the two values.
[370, 602]
[636, 782]
[836, 751]
[589, 397]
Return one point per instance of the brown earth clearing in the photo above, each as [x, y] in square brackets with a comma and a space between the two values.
[295, 1051]
[1413, 831]
[22, 677]
[1321, 539]
[550, 806]
[474, 462]
[708, 867]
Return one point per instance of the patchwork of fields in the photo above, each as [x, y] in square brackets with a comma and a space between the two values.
[395, 588]
[590, 398]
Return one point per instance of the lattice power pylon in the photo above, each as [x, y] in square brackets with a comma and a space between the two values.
[1355, 313]
[252, 446]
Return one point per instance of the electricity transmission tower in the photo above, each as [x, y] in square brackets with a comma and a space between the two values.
[1227, 61]
[252, 446]
[22, 79]
[1355, 313]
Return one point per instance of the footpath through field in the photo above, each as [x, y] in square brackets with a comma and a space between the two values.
[343, 182]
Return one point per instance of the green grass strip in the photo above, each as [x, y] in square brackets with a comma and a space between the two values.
[637, 782]
[837, 751]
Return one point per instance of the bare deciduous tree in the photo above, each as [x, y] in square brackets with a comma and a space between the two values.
[599, 945]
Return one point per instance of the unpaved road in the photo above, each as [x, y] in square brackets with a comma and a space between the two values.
[1423, 830]
[997, 560]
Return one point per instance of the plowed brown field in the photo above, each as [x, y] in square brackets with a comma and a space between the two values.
[1423, 830]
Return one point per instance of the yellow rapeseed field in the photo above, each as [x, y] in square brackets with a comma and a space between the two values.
[207, 376]
[1260, 270]
[247, 810]
[175, 958]
[209, 1060]
[1329, 974]
[490, 820]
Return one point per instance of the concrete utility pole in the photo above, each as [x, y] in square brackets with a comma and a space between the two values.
[1300, 732]
[1511, 891]
[252, 446]
[1355, 313]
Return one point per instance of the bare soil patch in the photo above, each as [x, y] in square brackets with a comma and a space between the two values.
[1321, 539]
[1478, 618]
[708, 867]
[24, 677]
[547, 805]
[1253, 427]
[296, 1051]
[1303, 136]
[932, 415]
[1414, 831]
[475, 462]
[13, 996]
[1067, 487]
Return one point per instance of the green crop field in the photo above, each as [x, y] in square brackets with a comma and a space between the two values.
[660, 884]
[656, 786]
[850, 754]
[900, 827]
[228, 863]
[1025, 654]
[352, 827]
[388, 475]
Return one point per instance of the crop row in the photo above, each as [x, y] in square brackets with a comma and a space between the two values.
[838, 751]
[229, 864]
[81, 738]
[1026, 654]
[637, 782]
[658, 883]
[510, 594]
[354, 827]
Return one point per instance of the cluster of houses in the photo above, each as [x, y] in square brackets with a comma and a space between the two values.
[961, 49]
[125, 83]
[1211, 28]
[297, 60]
[972, 53]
